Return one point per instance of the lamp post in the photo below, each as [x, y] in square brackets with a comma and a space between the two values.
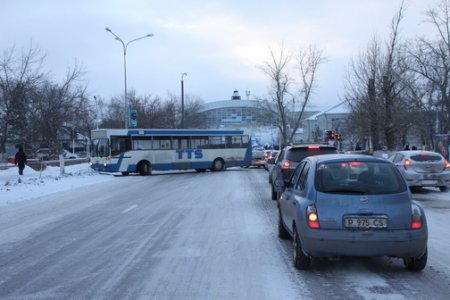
[182, 99]
[125, 45]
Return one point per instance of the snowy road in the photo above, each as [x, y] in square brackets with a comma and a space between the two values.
[190, 236]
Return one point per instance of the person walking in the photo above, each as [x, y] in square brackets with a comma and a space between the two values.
[21, 160]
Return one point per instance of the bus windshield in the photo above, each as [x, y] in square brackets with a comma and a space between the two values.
[100, 148]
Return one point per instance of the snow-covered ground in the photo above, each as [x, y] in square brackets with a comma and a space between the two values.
[33, 184]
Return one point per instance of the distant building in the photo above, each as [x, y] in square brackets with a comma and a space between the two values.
[237, 113]
[257, 117]
[334, 118]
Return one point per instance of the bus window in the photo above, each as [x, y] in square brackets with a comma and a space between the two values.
[100, 148]
[180, 142]
[245, 140]
[216, 142]
[120, 144]
[162, 142]
[199, 142]
[236, 142]
[142, 143]
[228, 142]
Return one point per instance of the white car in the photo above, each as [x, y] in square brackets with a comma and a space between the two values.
[423, 168]
[43, 154]
[70, 155]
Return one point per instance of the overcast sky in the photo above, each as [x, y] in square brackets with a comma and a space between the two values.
[218, 43]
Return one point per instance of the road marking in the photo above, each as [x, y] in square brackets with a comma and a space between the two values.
[129, 208]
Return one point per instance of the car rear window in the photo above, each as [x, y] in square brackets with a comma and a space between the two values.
[298, 154]
[426, 157]
[356, 177]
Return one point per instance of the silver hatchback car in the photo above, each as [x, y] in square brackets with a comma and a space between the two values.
[423, 168]
[351, 205]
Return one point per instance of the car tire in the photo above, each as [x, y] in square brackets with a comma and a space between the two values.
[416, 263]
[282, 232]
[444, 189]
[301, 260]
[274, 194]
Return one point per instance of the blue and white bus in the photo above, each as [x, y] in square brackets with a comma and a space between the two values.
[145, 150]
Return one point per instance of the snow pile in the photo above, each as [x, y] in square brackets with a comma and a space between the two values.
[34, 184]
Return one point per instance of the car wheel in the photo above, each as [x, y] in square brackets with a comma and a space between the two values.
[301, 260]
[282, 232]
[443, 189]
[416, 263]
[274, 194]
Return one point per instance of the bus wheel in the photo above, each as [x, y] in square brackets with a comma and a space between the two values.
[144, 168]
[218, 164]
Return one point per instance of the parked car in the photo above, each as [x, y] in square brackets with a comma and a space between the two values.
[69, 155]
[43, 154]
[290, 157]
[423, 168]
[351, 205]
[272, 156]
[82, 154]
[258, 157]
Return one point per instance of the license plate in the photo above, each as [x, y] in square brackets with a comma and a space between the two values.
[429, 182]
[357, 222]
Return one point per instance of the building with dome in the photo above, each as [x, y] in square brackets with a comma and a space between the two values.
[238, 113]
[258, 118]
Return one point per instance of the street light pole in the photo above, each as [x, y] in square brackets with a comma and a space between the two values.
[125, 45]
[182, 99]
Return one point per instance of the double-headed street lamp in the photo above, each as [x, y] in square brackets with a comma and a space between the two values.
[182, 99]
[125, 45]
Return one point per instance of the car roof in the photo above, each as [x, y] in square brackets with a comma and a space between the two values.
[346, 157]
[415, 152]
[309, 145]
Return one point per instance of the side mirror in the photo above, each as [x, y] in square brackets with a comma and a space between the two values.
[271, 161]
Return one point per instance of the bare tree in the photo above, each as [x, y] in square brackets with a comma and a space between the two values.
[431, 59]
[281, 82]
[57, 105]
[308, 63]
[20, 74]
[376, 89]
[277, 71]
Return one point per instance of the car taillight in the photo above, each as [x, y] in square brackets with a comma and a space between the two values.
[287, 164]
[312, 217]
[416, 220]
[407, 164]
[447, 164]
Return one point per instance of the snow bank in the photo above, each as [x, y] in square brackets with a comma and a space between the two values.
[33, 184]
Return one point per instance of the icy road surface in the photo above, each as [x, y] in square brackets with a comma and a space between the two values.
[190, 235]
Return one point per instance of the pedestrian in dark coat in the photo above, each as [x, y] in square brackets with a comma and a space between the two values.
[21, 160]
